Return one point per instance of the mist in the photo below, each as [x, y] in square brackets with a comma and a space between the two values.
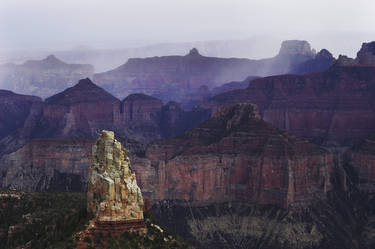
[340, 26]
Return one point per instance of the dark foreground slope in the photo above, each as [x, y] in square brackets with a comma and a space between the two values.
[345, 220]
[56, 221]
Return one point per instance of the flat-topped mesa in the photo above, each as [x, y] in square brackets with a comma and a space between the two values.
[113, 194]
[292, 47]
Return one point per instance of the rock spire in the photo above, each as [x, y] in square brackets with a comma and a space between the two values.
[113, 193]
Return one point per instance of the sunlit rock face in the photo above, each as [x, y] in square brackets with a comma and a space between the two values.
[113, 193]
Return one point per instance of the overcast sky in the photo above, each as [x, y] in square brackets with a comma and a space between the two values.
[39, 22]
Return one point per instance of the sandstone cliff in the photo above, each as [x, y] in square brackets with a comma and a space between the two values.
[48, 165]
[235, 155]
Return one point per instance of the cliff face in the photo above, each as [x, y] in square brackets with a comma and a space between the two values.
[179, 78]
[48, 165]
[366, 56]
[80, 110]
[360, 161]
[113, 193]
[142, 113]
[17, 116]
[335, 107]
[42, 78]
[235, 155]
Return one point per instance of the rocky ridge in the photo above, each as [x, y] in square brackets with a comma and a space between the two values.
[365, 57]
[181, 78]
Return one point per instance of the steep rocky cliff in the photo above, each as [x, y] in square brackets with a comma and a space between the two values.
[48, 165]
[17, 117]
[366, 56]
[235, 155]
[142, 113]
[360, 163]
[42, 78]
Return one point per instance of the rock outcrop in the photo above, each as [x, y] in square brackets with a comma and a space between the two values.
[113, 193]
[181, 78]
[235, 155]
[366, 56]
[42, 78]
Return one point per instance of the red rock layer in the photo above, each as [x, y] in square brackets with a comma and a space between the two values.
[141, 112]
[235, 156]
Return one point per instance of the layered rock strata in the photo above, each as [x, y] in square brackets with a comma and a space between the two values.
[48, 165]
[235, 155]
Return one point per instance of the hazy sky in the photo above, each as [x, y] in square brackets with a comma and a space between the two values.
[40, 23]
